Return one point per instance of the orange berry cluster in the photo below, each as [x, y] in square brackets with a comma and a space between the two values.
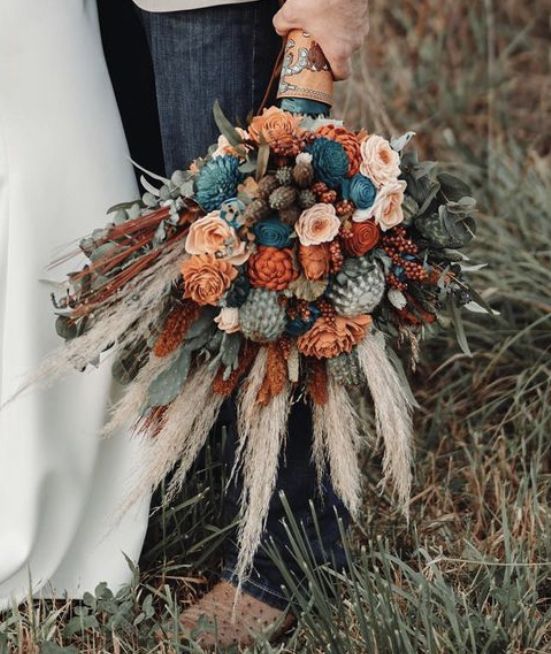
[396, 244]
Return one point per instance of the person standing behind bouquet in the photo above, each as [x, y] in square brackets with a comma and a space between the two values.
[207, 50]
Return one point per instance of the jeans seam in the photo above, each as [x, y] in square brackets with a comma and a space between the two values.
[253, 64]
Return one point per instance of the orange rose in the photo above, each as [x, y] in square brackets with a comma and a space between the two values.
[280, 130]
[272, 268]
[362, 238]
[314, 260]
[330, 337]
[206, 278]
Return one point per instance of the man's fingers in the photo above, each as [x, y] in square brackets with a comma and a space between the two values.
[285, 20]
[339, 59]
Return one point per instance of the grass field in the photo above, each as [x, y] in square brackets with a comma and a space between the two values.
[472, 574]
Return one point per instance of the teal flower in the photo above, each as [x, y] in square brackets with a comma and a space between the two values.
[273, 233]
[362, 191]
[217, 182]
[330, 161]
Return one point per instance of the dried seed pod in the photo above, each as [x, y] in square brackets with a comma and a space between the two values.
[266, 186]
[303, 175]
[283, 197]
[256, 210]
[307, 198]
[284, 175]
[290, 215]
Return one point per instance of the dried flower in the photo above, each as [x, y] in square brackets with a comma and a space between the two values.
[362, 237]
[280, 129]
[225, 147]
[331, 337]
[272, 268]
[349, 142]
[213, 235]
[276, 375]
[177, 323]
[207, 278]
[379, 161]
[387, 208]
[315, 260]
[228, 320]
[319, 224]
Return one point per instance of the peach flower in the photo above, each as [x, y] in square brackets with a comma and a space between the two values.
[279, 128]
[387, 208]
[224, 146]
[212, 235]
[228, 320]
[319, 224]
[330, 337]
[379, 161]
[206, 278]
[314, 260]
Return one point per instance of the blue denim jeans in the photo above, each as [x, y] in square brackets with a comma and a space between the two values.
[227, 53]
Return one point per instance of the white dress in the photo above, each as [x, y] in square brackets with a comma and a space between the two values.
[63, 161]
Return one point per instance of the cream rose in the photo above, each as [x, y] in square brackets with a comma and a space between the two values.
[228, 320]
[225, 147]
[319, 224]
[379, 161]
[387, 208]
[212, 235]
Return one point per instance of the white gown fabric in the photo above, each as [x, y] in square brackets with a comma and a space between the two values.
[63, 161]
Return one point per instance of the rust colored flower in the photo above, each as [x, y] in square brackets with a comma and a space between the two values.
[315, 260]
[349, 142]
[330, 337]
[206, 278]
[280, 129]
[362, 237]
[317, 381]
[272, 268]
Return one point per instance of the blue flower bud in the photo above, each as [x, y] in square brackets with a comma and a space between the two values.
[362, 191]
[272, 233]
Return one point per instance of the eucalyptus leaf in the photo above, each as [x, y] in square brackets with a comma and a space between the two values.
[398, 144]
[224, 125]
[166, 386]
[453, 187]
[148, 186]
[202, 323]
[457, 321]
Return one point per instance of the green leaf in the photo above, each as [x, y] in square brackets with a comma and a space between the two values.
[224, 125]
[457, 320]
[166, 386]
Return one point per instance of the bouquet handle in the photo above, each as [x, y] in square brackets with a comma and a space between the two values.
[302, 72]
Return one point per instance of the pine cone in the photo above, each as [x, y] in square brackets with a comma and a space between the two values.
[307, 198]
[345, 369]
[284, 175]
[256, 210]
[358, 287]
[290, 215]
[283, 197]
[262, 318]
[266, 185]
[349, 142]
[303, 175]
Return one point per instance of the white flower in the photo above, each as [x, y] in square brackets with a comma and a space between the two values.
[228, 320]
[387, 208]
[379, 161]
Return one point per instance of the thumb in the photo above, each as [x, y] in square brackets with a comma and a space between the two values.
[285, 21]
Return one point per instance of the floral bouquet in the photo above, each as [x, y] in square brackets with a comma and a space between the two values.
[293, 258]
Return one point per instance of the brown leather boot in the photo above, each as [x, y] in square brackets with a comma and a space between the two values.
[252, 618]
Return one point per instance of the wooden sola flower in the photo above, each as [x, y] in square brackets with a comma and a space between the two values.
[287, 261]
[272, 268]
